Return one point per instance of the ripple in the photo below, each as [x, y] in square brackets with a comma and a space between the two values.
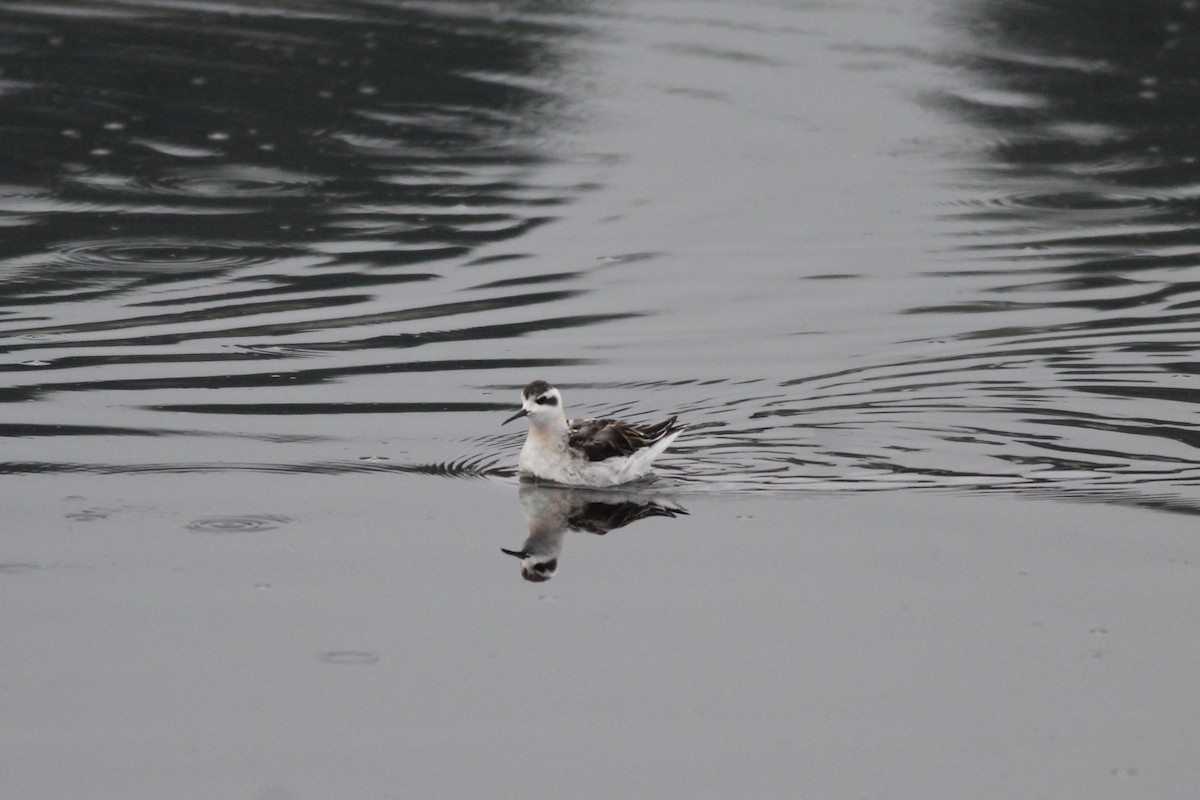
[175, 149]
[1072, 199]
[250, 523]
[348, 657]
[213, 182]
[87, 515]
[474, 466]
[152, 255]
[469, 467]
[19, 568]
[21, 205]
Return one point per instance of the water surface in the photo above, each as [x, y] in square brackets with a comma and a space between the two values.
[312, 239]
[919, 275]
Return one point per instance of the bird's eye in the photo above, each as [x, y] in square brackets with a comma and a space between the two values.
[543, 400]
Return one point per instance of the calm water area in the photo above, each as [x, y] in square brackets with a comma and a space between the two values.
[920, 275]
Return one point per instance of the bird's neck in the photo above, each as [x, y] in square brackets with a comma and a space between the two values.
[554, 426]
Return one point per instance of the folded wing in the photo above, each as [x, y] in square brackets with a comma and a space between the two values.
[600, 439]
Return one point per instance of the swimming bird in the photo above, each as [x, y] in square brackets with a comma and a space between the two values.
[585, 452]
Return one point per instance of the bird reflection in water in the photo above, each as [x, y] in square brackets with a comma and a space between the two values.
[552, 511]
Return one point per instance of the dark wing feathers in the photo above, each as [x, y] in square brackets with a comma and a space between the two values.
[599, 439]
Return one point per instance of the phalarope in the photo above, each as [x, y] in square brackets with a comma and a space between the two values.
[585, 452]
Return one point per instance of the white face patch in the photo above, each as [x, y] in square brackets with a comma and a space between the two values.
[545, 405]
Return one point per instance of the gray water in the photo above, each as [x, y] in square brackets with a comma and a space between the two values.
[920, 276]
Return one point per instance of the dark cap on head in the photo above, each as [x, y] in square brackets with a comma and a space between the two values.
[536, 388]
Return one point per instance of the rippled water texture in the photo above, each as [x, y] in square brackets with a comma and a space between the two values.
[339, 237]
